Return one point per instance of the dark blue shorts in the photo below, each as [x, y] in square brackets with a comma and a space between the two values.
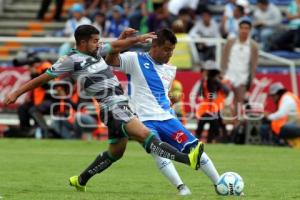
[174, 133]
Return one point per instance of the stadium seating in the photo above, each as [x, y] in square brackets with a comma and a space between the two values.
[19, 19]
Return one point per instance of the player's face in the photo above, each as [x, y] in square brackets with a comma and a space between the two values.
[163, 53]
[93, 45]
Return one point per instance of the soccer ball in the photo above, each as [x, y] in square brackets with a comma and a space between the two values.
[230, 183]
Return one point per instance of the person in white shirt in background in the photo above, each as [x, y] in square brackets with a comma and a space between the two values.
[229, 25]
[239, 61]
[267, 18]
[77, 19]
[229, 7]
[284, 123]
[99, 21]
[205, 27]
[289, 40]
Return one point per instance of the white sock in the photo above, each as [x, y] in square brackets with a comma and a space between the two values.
[167, 168]
[207, 166]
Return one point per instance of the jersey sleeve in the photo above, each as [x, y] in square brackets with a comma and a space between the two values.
[63, 67]
[105, 49]
[127, 62]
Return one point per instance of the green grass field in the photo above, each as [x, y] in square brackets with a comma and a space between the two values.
[39, 169]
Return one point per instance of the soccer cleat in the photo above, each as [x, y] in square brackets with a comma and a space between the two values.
[183, 190]
[195, 155]
[74, 182]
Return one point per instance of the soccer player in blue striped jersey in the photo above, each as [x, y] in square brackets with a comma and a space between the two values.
[150, 79]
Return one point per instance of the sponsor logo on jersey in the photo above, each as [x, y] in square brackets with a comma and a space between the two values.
[179, 137]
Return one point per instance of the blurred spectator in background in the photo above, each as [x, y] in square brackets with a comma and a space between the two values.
[176, 96]
[44, 7]
[117, 23]
[1, 6]
[174, 6]
[239, 61]
[88, 120]
[186, 16]
[284, 123]
[206, 27]
[99, 21]
[290, 39]
[230, 24]
[39, 101]
[138, 18]
[159, 18]
[228, 9]
[64, 110]
[212, 93]
[76, 20]
[182, 56]
[74, 117]
[267, 18]
[93, 6]
[231, 5]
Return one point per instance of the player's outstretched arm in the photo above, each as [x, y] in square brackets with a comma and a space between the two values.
[128, 38]
[125, 41]
[34, 83]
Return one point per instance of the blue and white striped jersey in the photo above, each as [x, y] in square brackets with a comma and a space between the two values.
[149, 84]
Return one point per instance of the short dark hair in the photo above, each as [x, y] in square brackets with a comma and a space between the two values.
[184, 11]
[164, 35]
[241, 9]
[245, 20]
[207, 11]
[84, 32]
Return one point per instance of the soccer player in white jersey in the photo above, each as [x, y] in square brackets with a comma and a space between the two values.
[150, 79]
[86, 65]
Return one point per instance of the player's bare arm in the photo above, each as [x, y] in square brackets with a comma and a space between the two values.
[127, 40]
[30, 85]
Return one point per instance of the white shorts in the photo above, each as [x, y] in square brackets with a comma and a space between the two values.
[237, 78]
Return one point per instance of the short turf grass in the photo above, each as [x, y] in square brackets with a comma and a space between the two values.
[39, 169]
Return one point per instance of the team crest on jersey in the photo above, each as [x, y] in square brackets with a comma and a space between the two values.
[147, 65]
[179, 137]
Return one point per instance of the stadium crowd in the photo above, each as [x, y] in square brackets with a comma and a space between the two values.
[273, 29]
[262, 26]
